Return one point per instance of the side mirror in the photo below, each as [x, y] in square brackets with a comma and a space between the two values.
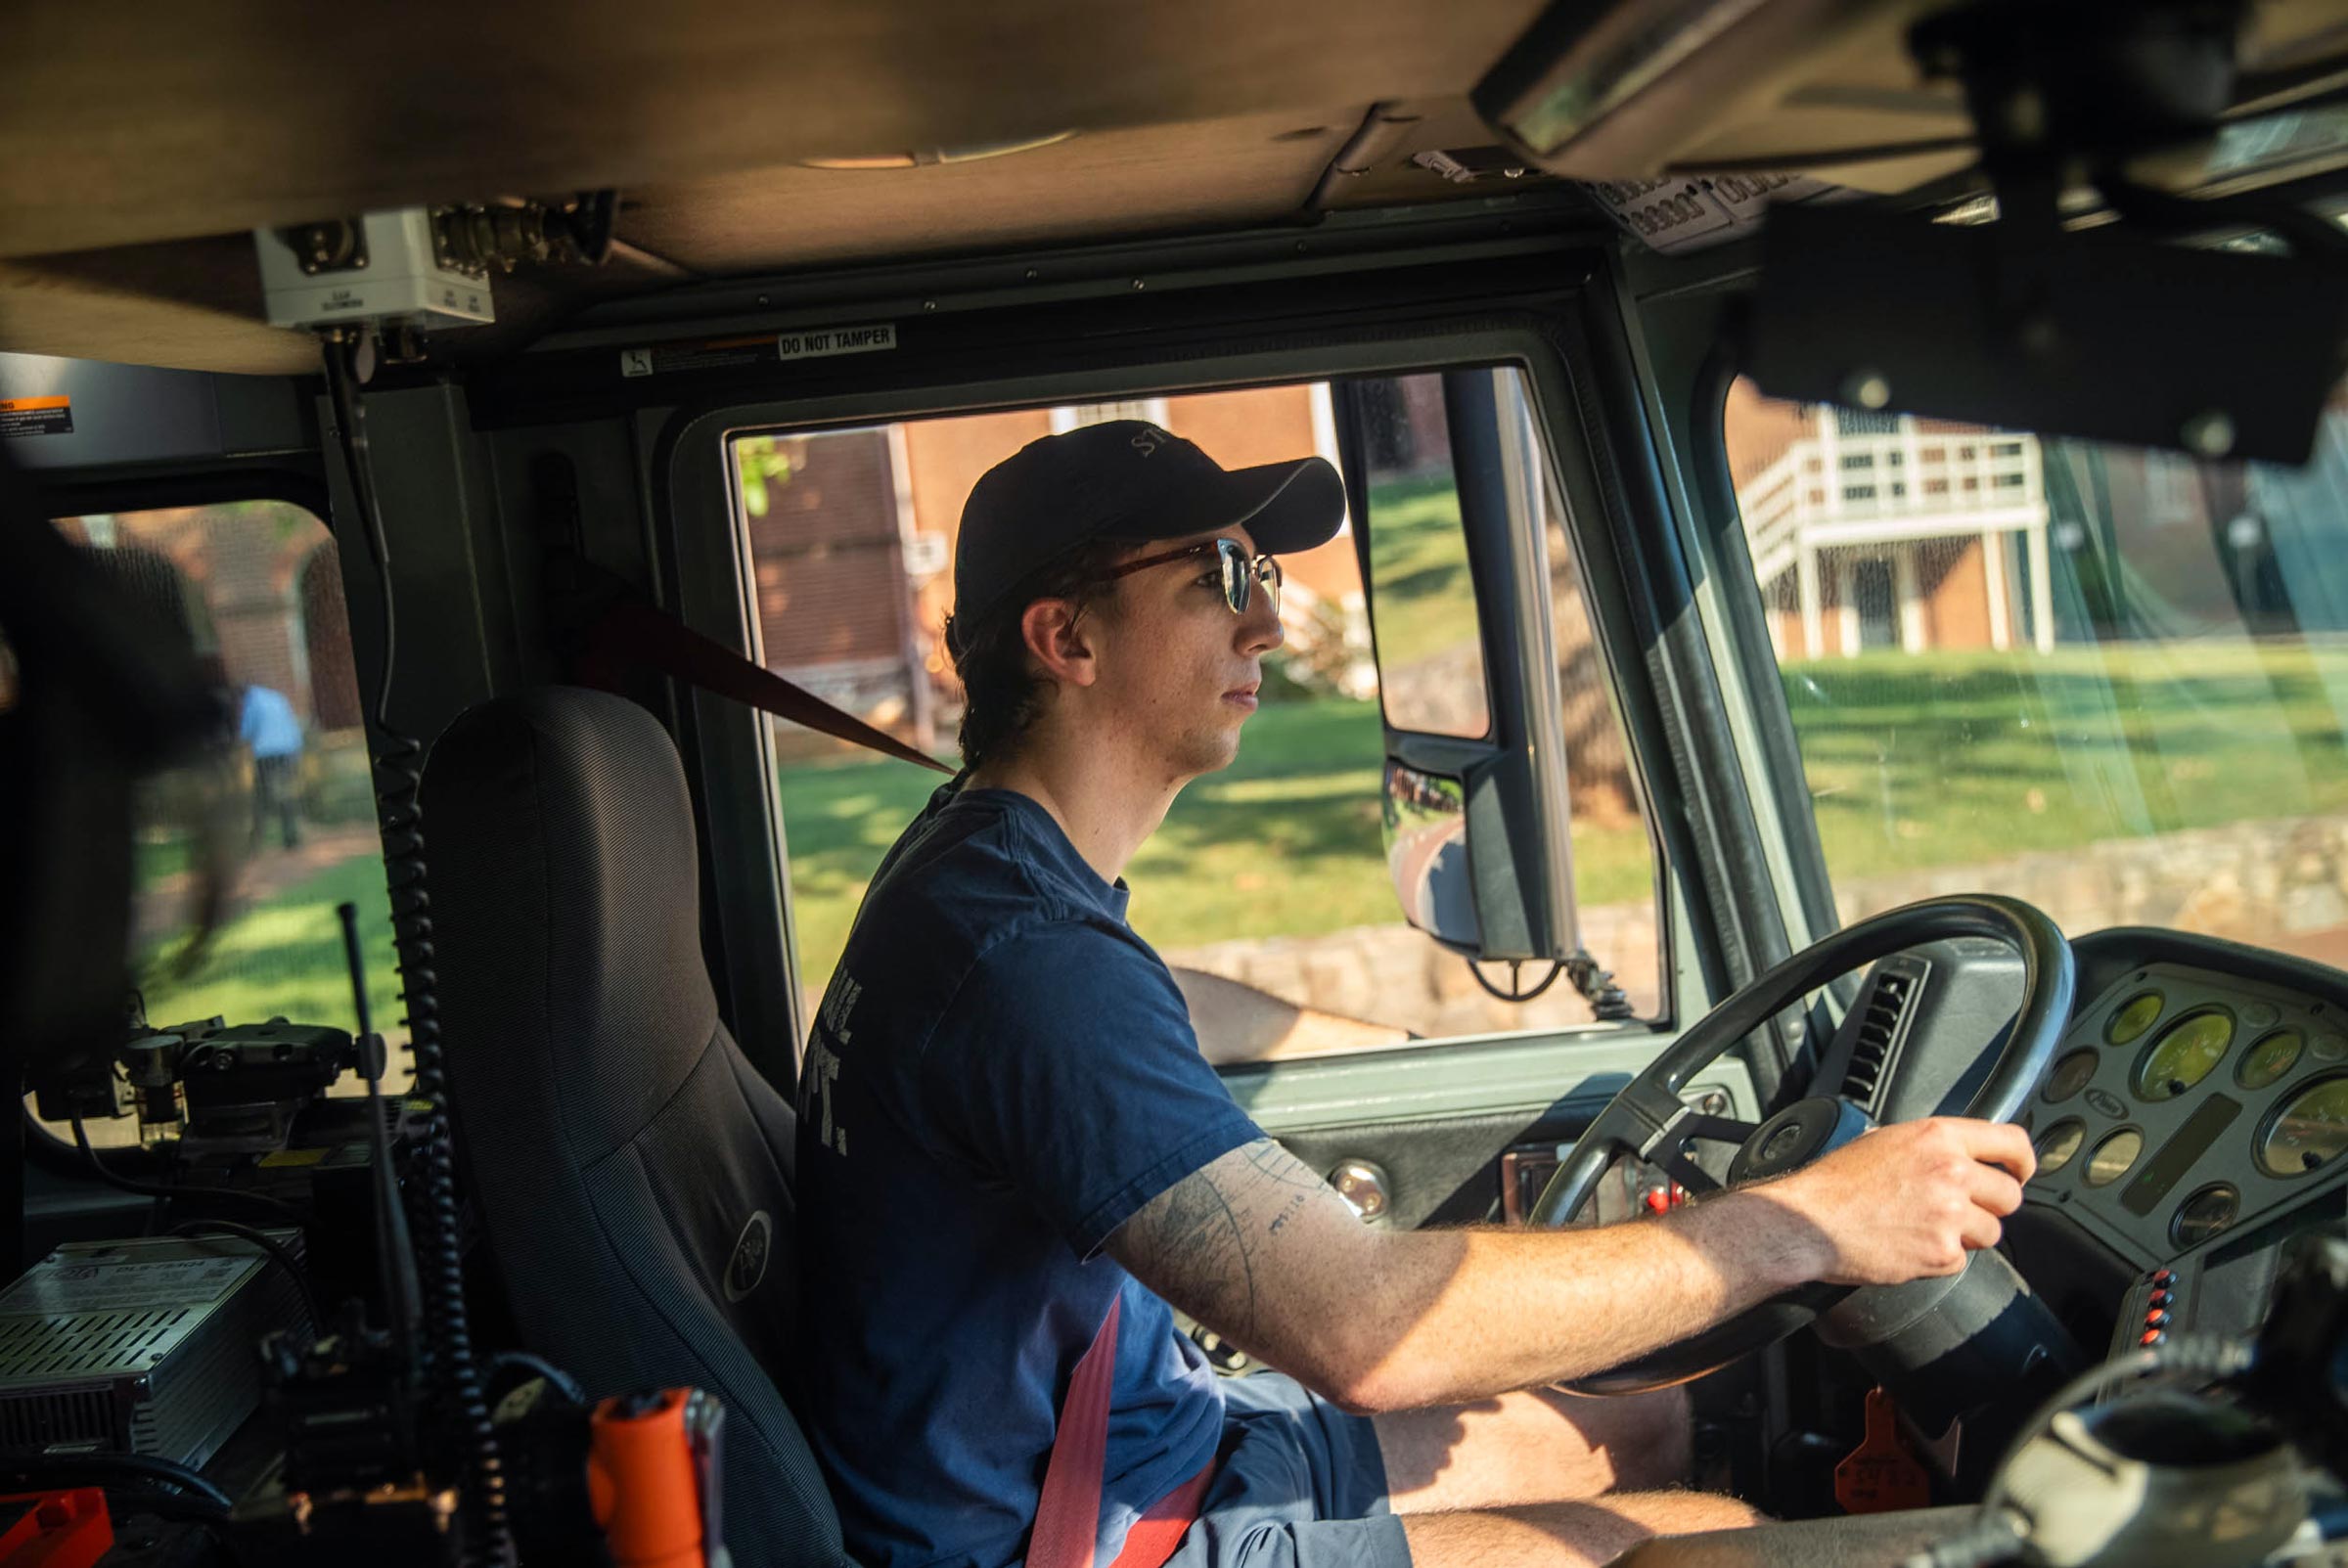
[1425, 819]
[1456, 559]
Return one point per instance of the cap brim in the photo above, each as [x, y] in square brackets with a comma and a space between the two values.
[1286, 507]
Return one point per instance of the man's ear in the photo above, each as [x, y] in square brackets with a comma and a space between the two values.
[1056, 638]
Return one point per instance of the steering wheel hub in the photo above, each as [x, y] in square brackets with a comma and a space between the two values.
[1796, 1136]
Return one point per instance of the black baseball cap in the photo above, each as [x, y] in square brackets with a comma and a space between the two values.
[1124, 479]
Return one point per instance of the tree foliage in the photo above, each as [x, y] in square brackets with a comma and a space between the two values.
[764, 462]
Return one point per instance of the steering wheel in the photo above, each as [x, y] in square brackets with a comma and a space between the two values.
[1650, 1121]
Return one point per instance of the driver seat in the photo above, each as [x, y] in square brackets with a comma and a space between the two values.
[633, 1173]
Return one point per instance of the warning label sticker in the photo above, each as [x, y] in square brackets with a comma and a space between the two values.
[814, 342]
[664, 359]
[796, 342]
[115, 1286]
[36, 416]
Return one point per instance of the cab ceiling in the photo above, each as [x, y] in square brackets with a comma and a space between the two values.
[142, 139]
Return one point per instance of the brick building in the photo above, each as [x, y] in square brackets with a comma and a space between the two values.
[1882, 530]
[259, 583]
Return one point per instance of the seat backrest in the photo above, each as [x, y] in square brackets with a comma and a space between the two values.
[632, 1172]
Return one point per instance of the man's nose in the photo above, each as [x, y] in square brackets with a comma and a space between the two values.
[1260, 631]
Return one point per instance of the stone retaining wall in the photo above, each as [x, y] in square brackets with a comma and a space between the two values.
[2279, 885]
[1392, 974]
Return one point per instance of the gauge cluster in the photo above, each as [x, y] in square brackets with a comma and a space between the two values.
[2184, 1104]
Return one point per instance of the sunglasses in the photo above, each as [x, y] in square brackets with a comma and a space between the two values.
[1240, 574]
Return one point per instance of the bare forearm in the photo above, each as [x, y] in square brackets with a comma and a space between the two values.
[1261, 1250]
[1449, 1316]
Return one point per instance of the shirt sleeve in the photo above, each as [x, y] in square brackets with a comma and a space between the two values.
[1070, 1066]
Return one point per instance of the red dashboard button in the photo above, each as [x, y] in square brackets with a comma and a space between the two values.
[2152, 1336]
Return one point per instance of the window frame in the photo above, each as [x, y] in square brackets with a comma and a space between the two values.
[301, 482]
[1550, 340]
[1765, 875]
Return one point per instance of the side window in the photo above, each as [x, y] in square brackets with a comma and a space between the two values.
[1431, 671]
[278, 828]
[1266, 889]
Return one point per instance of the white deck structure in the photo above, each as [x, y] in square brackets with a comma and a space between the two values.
[1835, 494]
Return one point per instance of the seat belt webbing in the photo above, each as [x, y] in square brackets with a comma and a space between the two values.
[1068, 1515]
[632, 630]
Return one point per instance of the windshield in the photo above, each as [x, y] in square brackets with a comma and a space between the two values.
[2108, 681]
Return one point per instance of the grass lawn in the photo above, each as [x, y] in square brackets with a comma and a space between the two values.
[1285, 842]
[285, 957]
[1949, 759]
[1915, 761]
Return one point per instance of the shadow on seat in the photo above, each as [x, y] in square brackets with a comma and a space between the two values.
[632, 1172]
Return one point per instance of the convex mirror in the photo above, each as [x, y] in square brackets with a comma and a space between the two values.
[1445, 476]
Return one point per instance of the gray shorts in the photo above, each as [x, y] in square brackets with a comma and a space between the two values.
[1298, 1484]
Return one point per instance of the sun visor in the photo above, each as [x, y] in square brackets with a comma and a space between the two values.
[2098, 334]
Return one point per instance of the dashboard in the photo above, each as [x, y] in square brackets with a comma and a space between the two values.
[2186, 1104]
[2193, 1121]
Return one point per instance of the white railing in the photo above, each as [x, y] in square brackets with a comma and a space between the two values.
[1858, 489]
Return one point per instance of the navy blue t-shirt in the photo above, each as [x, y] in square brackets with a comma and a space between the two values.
[1000, 1075]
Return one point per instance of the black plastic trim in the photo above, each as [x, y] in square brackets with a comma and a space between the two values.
[1749, 633]
[1747, 933]
[940, 337]
[2105, 955]
[77, 493]
[746, 928]
[1353, 239]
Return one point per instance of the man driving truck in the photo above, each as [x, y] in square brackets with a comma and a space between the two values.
[1013, 1157]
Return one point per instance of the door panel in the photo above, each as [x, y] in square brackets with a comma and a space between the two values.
[1454, 1170]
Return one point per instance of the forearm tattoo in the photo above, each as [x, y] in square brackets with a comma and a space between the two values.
[1209, 1230]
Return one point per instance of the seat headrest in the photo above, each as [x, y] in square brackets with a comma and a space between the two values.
[565, 879]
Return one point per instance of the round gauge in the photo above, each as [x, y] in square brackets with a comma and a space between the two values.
[2329, 1047]
[2204, 1215]
[2264, 1063]
[2311, 1130]
[2071, 1075]
[2183, 1055]
[2132, 1017]
[2112, 1157]
[2059, 1142]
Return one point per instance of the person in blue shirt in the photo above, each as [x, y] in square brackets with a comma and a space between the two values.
[269, 730]
[1014, 1161]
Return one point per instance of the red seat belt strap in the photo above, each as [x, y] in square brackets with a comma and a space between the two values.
[1068, 1515]
[1155, 1534]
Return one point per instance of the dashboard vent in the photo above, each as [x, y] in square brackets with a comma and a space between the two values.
[1886, 1003]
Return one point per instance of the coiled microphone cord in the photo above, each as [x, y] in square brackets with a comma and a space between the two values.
[454, 1371]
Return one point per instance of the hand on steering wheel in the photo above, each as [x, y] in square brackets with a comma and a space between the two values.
[1910, 1201]
[1648, 1120]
